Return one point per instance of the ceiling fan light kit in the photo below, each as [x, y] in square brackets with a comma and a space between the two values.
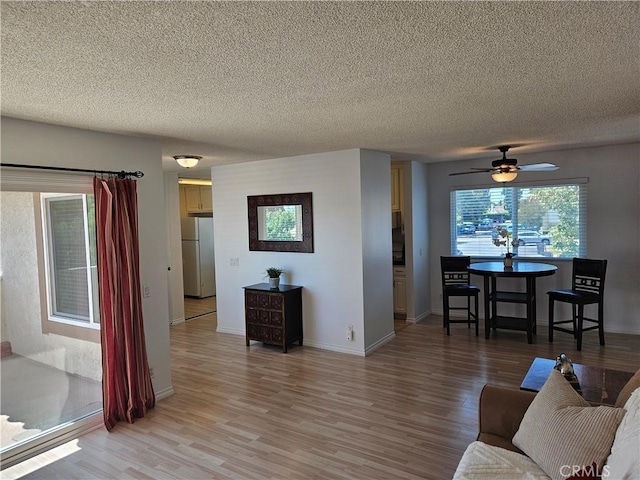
[503, 177]
[506, 169]
[187, 161]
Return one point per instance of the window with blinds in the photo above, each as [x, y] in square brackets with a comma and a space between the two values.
[542, 221]
[70, 257]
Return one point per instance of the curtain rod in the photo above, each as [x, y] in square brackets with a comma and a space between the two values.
[121, 174]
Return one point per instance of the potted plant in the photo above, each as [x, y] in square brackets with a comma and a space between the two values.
[274, 276]
[503, 240]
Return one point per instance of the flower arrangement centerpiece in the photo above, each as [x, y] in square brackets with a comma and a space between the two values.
[503, 240]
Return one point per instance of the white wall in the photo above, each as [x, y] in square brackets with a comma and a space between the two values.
[613, 223]
[375, 187]
[417, 241]
[174, 246]
[40, 144]
[332, 276]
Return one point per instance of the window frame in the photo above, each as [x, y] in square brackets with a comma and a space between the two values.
[47, 200]
[58, 326]
[581, 183]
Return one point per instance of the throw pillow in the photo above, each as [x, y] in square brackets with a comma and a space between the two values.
[624, 461]
[561, 431]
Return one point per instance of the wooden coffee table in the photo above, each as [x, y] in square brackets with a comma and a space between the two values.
[598, 386]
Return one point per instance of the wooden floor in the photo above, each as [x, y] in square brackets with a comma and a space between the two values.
[407, 411]
[197, 307]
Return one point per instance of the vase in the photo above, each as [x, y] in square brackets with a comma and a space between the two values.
[274, 282]
[508, 262]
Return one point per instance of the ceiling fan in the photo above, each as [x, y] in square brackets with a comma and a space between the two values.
[506, 169]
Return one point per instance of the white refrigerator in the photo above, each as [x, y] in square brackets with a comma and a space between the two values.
[198, 266]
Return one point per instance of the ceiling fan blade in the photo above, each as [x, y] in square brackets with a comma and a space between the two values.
[475, 171]
[538, 167]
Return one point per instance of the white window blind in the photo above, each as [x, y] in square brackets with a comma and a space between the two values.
[543, 220]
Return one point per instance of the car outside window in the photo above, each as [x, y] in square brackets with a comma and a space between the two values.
[528, 238]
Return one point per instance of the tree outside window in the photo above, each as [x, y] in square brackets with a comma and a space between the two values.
[281, 223]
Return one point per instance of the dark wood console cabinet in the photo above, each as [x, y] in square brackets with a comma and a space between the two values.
[273, 315]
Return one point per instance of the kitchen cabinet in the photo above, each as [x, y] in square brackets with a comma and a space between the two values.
[273, 315]
[197, 198]
[399, 292]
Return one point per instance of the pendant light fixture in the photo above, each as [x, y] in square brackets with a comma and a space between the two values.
[187, 161]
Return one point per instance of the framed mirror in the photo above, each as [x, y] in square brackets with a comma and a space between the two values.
[281, 223]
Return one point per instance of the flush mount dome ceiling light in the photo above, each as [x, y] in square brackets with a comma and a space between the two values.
[187, 161]
[504, 176]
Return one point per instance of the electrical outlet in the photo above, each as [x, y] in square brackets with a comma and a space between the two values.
[146, 291]
[350, 332]
[440, 296]
[151, 374]
[234, 262]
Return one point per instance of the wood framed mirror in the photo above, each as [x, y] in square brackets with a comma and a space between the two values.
[281, 223]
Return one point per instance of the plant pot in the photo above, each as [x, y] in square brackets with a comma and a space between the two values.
[508, 262]
[274, 282]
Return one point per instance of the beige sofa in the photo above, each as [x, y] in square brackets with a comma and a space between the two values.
[554, 434]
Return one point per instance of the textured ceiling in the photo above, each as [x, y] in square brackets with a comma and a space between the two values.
[240, 81]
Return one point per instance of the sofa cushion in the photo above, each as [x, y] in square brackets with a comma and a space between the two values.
[561, 430]
[624, 461]
[627, 390]
[500, 411]
[487, 462]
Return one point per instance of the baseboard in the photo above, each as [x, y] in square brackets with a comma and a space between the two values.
[162, 394]
[420, 317]
[177, 321]
[327, 346]
[333, 348]
[384, 340]
[232, 331]
[454, 314]
[350, 351]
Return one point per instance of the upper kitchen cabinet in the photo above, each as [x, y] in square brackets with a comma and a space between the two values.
[397, 195]
[197, 198]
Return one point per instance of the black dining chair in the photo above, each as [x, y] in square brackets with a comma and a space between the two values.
[455, 283]
[587, 288]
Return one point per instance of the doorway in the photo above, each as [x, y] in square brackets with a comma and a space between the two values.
[198, 307]
[198, 253]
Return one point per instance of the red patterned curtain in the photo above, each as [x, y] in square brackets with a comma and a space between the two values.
[126, 383]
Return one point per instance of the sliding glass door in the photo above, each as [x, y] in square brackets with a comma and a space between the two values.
[50, 369]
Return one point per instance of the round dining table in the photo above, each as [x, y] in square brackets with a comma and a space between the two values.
[491, 271]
